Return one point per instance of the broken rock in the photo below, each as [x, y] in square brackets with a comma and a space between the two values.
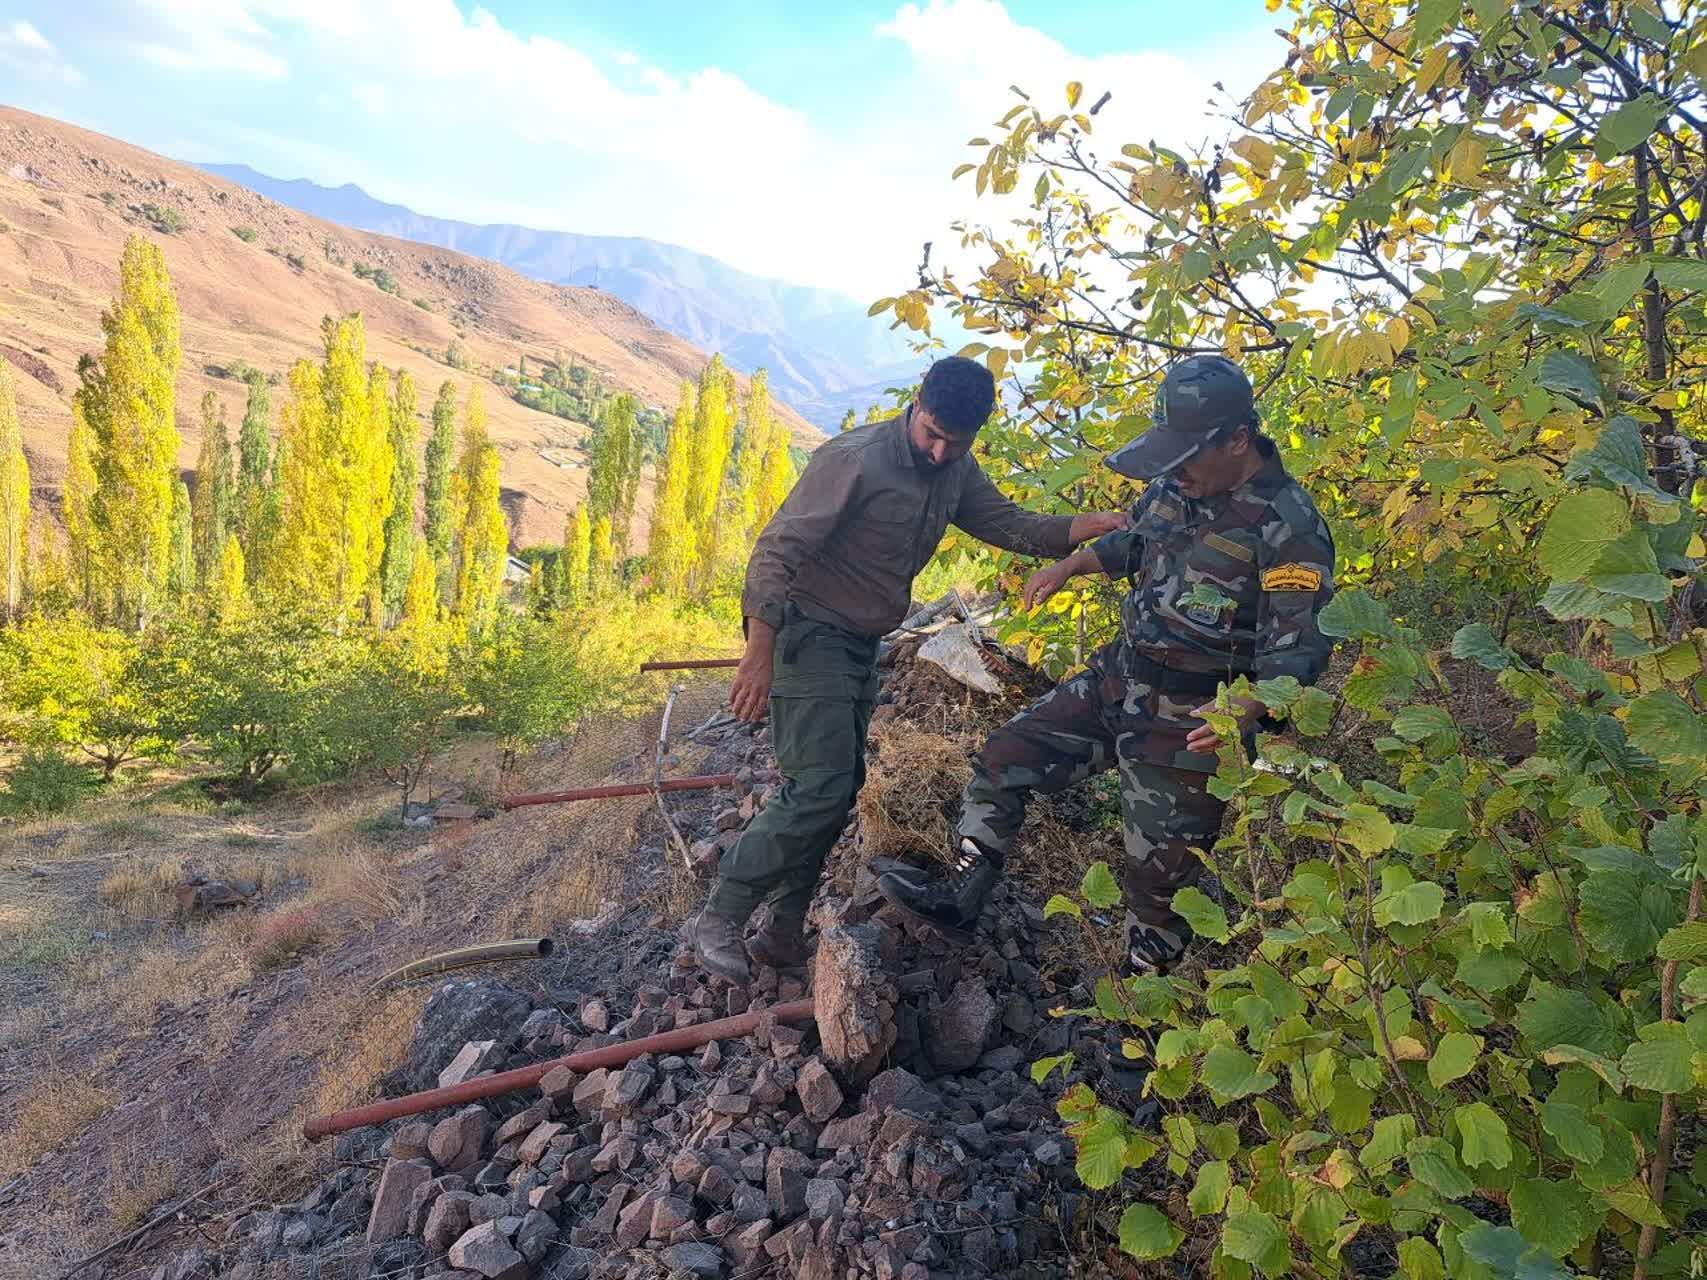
[473, 1058]
[956, 1032]
[456, 1141]
[855, 1000]
[390, 1216]
[484, 1251]
[820, 1095]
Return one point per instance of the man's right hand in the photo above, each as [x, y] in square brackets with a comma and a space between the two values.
[750, 695]
[1046, 582]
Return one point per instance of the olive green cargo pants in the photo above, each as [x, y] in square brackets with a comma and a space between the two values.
[822, 694]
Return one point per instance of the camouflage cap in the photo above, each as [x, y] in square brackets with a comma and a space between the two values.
[1201, 400]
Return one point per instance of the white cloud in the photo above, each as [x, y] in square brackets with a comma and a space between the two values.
[200, 36]
[24, 48]
[370, 97]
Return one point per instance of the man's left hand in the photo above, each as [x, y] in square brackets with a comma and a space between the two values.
[1094, 524]
[1204, 740]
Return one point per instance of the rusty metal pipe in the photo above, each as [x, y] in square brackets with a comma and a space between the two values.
[614, 1055]
[690, 664]
[704, 782]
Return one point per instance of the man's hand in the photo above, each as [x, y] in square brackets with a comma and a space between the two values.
[1094, 524]
[750, 695]
[1205, 740]
[1051, 578]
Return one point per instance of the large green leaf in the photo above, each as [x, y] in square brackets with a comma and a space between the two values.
[1209, 1193]
[1454, 1057]
[1508, 1256]
[1407, 900]
[1629, 126]
[1483, 1135]
[1617, 456]
[1146, 1234]
[1578, 532]
[1554, 1215]
[1099, 887]
[1556, 1016]
[1314, 712]
[1623, 916]
[1415, 723]
[1367, 829]
[1682, 273]
[1433, 17]
[1627, 568]
[1435, 1164]
[1354, 614]
[1572, 1129]
[1389, 1141]
[1259, 1239]
[1662, 1061]
[1686, 942]
[1666, 727]
[1202, 913]
[1102, 1149]
[1478, 643]
[1229, 1073]
[1570, 373]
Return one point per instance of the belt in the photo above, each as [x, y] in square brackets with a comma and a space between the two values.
[859, 648]
[1167, 680]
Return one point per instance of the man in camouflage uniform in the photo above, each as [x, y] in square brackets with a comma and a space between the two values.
[831, 573]
[1229, 563]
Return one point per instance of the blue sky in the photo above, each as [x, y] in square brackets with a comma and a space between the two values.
[811, 142]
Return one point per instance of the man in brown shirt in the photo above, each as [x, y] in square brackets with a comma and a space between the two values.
[831, 573]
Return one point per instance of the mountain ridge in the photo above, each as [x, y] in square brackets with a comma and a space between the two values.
[819, 347]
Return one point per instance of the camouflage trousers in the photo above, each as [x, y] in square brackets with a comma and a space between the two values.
[1095, 721]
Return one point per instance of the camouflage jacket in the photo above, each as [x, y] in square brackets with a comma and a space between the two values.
[1227, 584]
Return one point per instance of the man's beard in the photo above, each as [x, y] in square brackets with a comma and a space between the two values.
[923, 460]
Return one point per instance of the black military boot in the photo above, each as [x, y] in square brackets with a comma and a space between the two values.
[780, 941]
[718, 945]
[952, 907]
[1152, 950]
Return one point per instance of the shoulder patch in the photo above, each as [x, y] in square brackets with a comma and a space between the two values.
[1292, 577]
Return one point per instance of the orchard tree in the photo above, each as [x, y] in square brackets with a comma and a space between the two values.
[482, 543]
[397, 566]
[441, 450]
[672, 545]
[1459, 248]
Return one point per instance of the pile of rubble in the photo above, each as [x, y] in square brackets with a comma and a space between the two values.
[899, 1136]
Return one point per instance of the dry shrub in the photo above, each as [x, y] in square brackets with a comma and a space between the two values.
[139, 1182]
[912, 791]
[53, 1110]
[141, 886]
[378, 1036]
[358, 878]
[279, 938]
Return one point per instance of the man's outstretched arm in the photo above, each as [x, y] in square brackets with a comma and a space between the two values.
[991, 516]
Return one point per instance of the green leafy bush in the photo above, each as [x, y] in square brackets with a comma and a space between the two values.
[44, 782]
[247, 235]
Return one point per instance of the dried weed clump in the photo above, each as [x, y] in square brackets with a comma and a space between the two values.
[913, 782]
[54, 1109]
[279, 938]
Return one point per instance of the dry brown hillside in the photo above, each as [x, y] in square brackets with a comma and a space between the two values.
[69, 198]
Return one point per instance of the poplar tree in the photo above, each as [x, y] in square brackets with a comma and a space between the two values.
[576, 558]
[230, 585]
[713, 439]
[482, 541]
[336, 469]
[215, 498]
[436, 496]
[776, 467]
[601, 573]
[76, 498]
[181, 577]
[256, 503]
[672, 544]
[399, 562]
[848, 421]
[14, 497]
[613, 480]
[127, 396]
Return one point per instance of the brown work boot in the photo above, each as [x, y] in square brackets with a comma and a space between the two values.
[717, 945]
[780, 942]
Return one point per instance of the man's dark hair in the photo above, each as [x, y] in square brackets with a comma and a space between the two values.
[959, 393]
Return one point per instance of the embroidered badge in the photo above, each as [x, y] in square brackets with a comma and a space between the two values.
[1203, 614]
[1292, 577]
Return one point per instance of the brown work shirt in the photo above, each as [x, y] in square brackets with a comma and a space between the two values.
[864, 518]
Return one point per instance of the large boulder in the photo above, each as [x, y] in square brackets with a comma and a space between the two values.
[855, 1000]
[457, 1013]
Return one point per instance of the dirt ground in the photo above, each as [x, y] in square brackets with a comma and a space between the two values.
[145, 1053]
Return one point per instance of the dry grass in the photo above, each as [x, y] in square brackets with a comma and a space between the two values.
[912, 791]
[40, 840]
[141, 886]
[279, 938]
[138, 1183]
[54, 1109]
[356, 877]
[377, 1037]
